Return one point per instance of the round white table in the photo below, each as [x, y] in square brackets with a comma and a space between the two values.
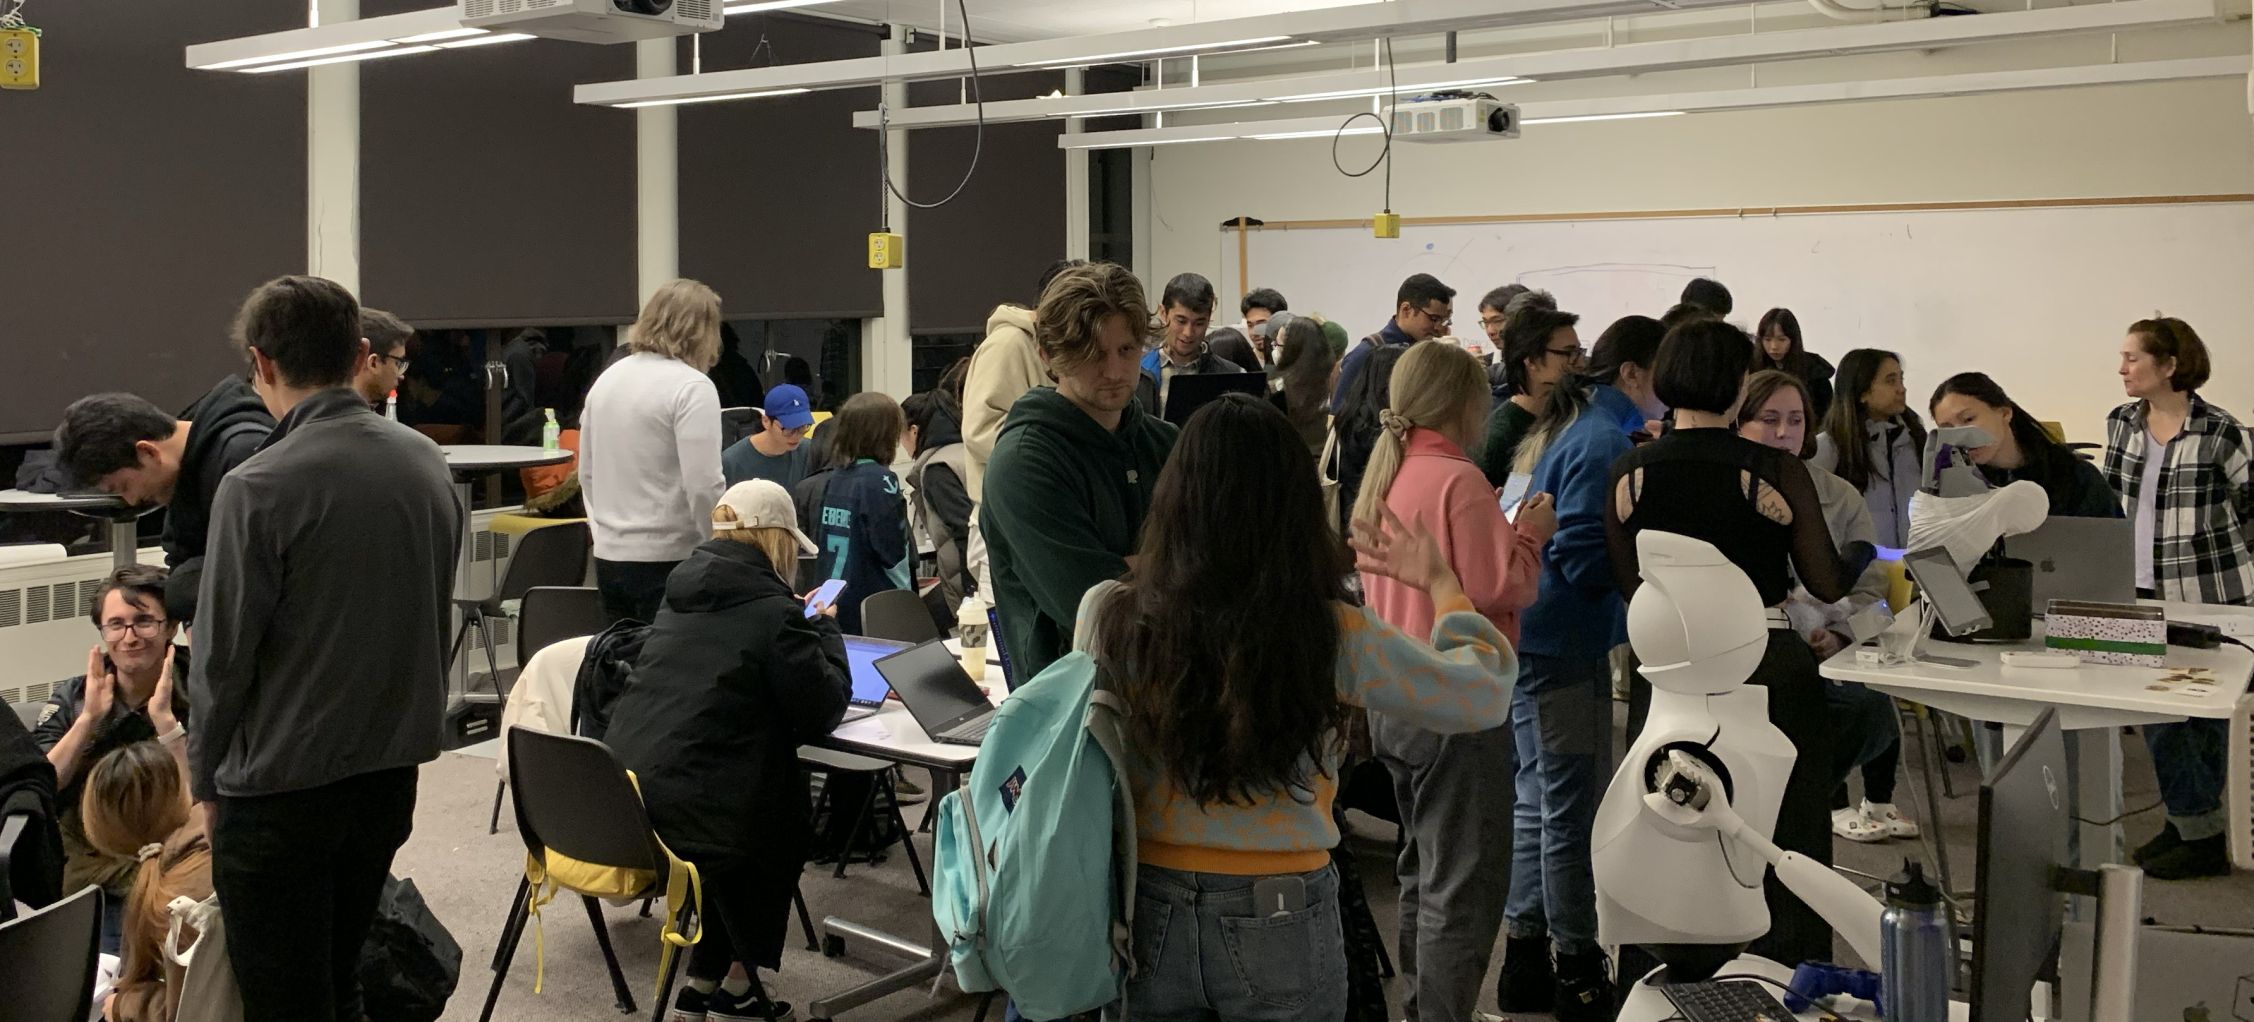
[468, 461]
[124, 519]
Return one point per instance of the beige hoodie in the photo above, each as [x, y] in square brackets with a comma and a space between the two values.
[1004, 366]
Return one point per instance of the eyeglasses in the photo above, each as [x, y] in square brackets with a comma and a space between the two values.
[1572, 353]
[1436, 318]
[398, 361]
[144, 626]
[1490, 322]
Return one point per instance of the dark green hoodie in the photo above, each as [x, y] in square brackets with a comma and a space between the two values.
[1064, 505]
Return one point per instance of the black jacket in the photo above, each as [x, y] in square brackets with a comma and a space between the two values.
[321, 652]
[27, 786]
[227, 426]
[732, 679]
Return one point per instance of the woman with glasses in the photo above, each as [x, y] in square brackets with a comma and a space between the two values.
[1539, 348]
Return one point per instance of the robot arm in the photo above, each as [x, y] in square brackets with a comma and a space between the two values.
[1689, 795]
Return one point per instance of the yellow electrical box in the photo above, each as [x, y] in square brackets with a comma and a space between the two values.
[19, 58]
[887, 251]
[1386, 225]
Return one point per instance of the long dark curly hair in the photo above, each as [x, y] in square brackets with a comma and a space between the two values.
[1224, 638]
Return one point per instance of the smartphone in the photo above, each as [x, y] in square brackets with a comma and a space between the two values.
[1279, 896]
[1950, 662]
[823, 596]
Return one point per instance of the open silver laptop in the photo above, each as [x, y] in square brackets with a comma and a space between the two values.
[869, 686]
[2089, 559]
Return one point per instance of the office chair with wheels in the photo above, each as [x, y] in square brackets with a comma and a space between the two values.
[899, 615]
[50, 957]
[550, 613]
[552, 555]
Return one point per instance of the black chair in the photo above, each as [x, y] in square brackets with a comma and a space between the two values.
[899, 615]
[882, 797]
[572, 795]
[552, 613]
[552, 555]
[50, 957]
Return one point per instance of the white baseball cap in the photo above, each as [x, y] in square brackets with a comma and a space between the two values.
[759, 504]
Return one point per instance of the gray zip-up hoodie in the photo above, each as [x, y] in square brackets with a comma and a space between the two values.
[322, 622]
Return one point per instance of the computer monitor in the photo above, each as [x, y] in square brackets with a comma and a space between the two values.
[1943, 585]
[2017, 911]
[1186, 394]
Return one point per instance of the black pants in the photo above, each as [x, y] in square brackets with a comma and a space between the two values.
[746, 917]
[632, 589]
[1798, 708]
[298, 875]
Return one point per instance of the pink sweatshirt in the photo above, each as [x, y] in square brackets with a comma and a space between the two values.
[1501, 570]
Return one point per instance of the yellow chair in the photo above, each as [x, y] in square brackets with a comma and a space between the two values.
[1899, 589]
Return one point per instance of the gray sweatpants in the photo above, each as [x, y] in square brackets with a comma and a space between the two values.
[1458, 794]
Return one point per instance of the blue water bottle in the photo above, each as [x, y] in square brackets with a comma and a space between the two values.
[1914, 945]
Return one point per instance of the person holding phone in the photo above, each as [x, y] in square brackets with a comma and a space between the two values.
[864, 519]
[734, 676]
[127, 695]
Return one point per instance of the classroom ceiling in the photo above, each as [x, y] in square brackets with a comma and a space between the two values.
[1019, 20]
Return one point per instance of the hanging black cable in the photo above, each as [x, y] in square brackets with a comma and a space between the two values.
[1385, 124]
[978, 143]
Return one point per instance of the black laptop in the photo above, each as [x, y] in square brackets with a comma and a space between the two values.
[1186, 394]
[930, 682]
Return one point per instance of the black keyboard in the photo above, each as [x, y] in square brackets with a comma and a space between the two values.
[1724, 1002]
[967, 733]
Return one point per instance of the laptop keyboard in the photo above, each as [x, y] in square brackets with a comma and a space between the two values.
[1725, 1002]
[968, 731]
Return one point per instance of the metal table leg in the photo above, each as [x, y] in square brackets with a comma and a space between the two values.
[457, 681]
[929, 962]
[125, 541]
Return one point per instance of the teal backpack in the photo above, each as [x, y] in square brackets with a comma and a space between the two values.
[1034, 863]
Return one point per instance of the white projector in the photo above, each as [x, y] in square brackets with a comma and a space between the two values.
[1455, 118]
[594, 21]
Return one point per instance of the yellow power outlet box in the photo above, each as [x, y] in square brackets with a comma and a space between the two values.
[19, 58]
[1386, 225]
[887, 251]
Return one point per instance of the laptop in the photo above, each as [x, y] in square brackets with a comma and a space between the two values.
[869, 687]
[2089, 559]
[1186, 394]
[945, 702]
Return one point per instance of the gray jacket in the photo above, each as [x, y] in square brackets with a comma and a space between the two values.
[1895, 467]
[321, 635]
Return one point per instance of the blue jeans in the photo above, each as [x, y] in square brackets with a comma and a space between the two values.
[1202, 954]
[2187, 756]
[1863, 729]
[1561, 712]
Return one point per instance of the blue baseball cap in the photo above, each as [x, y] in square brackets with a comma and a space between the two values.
[786, 404]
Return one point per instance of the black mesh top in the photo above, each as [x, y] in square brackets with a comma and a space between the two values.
[1695, 483]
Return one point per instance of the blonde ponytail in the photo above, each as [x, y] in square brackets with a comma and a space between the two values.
[1432, 386]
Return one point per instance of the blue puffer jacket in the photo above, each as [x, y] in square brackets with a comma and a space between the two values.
[1579, 613]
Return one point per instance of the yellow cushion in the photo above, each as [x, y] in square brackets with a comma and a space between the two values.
[518, 525]
[2057, 430]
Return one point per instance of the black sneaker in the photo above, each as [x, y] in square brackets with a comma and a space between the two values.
[2166, 842]
[727, 1008]
[1584, 992]
[689, 1006]
[1528, 983]
[2191, 860]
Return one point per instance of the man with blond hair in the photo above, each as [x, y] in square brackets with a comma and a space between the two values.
[1073, 472]
[649, 449]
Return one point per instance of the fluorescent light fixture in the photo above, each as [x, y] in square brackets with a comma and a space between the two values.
[488, 40]
[1317, 133]
[446, 33]
[1279, 46]
[319, 51]
[770, 5]
[713, 99]
[1172, 141]
[1381, 90]
[1156, 51]
[1602, 117]
[294, 65]
[1148, 108]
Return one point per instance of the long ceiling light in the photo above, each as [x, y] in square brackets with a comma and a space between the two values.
[770, 5]
[1380, 90]
[1159, 51]
[1350, 23]
[1612, 108]
[715, 99]
[394, 35]
[1670, 55]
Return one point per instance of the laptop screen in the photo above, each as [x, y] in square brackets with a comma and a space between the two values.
[861, 654]
[931, 682]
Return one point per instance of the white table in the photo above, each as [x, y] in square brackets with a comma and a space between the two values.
[124, 519]
[2093, 702]
[893, 734]
[1646, 1003]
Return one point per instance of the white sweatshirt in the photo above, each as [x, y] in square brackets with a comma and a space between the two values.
[649, 459]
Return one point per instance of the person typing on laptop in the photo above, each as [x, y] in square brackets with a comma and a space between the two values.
[733, 678]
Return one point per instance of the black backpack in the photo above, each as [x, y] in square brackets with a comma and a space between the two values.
[603, 674]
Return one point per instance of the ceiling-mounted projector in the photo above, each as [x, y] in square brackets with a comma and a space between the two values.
[1454, 117]
[594, 21]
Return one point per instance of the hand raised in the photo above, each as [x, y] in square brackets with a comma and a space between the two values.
[1403, 551]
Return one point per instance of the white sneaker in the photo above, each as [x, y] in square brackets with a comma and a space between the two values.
[1855, 825]
[1885, 815]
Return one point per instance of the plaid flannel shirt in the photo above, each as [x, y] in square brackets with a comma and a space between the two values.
[2206, 498]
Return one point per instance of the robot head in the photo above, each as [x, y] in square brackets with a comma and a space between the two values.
[1696, 622]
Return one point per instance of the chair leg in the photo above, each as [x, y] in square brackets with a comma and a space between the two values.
[459, 634]
[681, 921]
[805, 919]
[492, 666]
[759, 990]
[907, 837]
[511, 931]
[853, 836]
[1384, 960]
[610, 958]
[499, 789]
[646, 907]
[1936, 763]
[985, 1001]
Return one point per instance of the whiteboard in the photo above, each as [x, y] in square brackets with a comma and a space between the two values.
[2038, 298]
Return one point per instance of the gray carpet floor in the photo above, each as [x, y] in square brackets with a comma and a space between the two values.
[467, 876]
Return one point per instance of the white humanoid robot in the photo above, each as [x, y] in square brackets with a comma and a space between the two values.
[1682, 837]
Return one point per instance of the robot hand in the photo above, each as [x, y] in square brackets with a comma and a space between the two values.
[1687, 793]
